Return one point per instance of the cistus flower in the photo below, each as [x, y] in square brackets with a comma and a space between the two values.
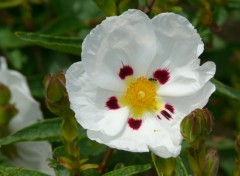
[137, 80]
[31, 155]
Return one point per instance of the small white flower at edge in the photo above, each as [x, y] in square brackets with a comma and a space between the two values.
[31, 155]
[137, 80]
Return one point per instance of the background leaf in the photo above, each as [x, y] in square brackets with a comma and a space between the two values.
[62, 44]
[13, 171]
[226, 90]
[129, 170]
[44, 130]
[180, 168]
[107, 6]
[10, 3]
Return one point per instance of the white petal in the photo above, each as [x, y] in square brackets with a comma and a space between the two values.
[127, 39]
[32, 155]
[187, 80]
[88, 103]
[185, 105]
[29, 111]
[11, 77]
[153, 135]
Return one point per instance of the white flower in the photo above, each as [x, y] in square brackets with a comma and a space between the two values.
[31, 155]
[137, 80]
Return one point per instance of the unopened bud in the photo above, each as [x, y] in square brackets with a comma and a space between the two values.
[5, 95]
[6, 113]
[56, 96]
[237, 144]
[211, 163]
[197, 126]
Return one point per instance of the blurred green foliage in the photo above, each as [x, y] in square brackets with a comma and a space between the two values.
[39, 37]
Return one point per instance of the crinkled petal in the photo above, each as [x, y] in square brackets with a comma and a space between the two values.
[88, 103]
[153, 135]
[127, 39]
[178, 48]
[188, 80]
[185, 105]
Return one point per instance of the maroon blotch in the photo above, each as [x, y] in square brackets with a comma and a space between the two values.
[112, 103]
[159, 117]
[162, 75]
[134, 123]
[125, 71]
[166, 114]
[169, 107]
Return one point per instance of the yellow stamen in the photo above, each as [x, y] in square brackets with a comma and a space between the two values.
[141, 97]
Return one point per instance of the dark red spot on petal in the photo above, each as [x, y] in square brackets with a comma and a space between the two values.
[162, 75]
[166, 114]
[169, 107]
[134, 123]
[112, 103]
[125, 71]
[159, 117]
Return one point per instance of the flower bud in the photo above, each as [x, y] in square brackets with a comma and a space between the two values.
[6, 113]
[237, 144]
[211, 163]
[197, 126]
[56, 96]
[5, 95]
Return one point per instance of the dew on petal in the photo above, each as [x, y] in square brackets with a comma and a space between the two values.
[112, 103]
[169, 107]
[134, 123]
[162, 75]
[166, 114]
[125, 71]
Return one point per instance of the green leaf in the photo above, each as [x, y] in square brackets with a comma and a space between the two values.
[163, 166]
[43, 130]
[130, 170]
[49, 129]
[62, 44]
[180, 168]
[226, 90]
[9, 40]
[10, 3]
[107, 6]
[14, 171]
[62, 25]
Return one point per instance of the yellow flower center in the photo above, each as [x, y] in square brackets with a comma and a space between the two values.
[141, 97]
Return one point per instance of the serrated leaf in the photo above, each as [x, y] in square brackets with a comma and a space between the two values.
[62, 44]
[129, 170]
[226, 90]
[180, 168]
[43, 130]
[107, 6]
[14, 171]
